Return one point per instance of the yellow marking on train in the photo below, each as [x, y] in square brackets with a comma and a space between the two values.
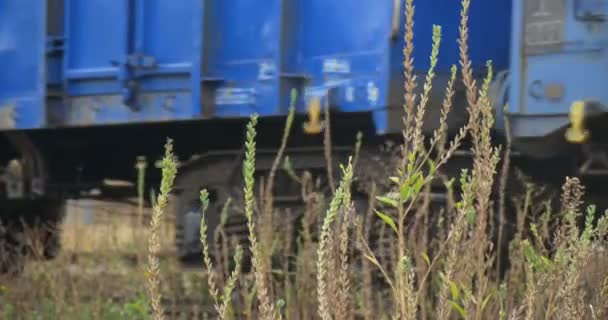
[314, 124]
[577, 133]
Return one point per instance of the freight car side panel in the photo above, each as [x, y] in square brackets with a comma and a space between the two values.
[146, 61]
[132, 61]
[243, 57]
[22, 64]
[353, 51]
[561, 58]
[344, 51]
[489, 29]
[169, 37]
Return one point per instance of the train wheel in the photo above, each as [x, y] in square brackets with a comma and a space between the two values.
[214, 177]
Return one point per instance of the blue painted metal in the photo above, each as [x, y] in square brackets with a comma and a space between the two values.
[559, 56]
[345, 53]
[148, 68]
[354, 59]
[244, 58]
[22, 64]
[143, 61]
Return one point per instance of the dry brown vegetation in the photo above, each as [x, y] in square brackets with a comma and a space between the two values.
[97, 274]
[401, 257]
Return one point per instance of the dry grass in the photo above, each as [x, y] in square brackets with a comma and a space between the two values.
[402, 257]
[97, 274]
[97, 226]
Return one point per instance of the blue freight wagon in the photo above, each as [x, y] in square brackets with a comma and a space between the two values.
[88, 86]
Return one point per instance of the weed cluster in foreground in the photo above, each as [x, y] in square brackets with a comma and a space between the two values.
[407, 271]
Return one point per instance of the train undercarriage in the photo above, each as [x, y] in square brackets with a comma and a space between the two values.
[36, 179]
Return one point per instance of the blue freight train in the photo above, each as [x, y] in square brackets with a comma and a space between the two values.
[88, 86]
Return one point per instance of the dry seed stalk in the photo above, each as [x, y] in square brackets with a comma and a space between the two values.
[169, 171]
[410, 78]
[327, 147]
[220, 303]
[323, 252]
[266, 307]
[268, 194]
[343, 302]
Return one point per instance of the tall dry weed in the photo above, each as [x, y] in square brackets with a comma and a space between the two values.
[169, 171]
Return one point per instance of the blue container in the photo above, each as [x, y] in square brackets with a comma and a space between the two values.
[245, 47]
[165, 61]
[131, 61]
[22, 64]
[353, 50]
[559, 57]
[141, 61]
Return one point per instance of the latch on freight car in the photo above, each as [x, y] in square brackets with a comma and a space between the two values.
[141, 62]
[129, 68]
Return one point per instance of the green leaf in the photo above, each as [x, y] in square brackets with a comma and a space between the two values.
[471, 216]
[426, 259]
[484, 304]
[280, 304]
[458, 308]
[388, 220]
[394, 179]
[388, 201]
[454, 289]
[412, 186]
[411, 159]
[406, 192]
[419, 182]
[450, 184]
